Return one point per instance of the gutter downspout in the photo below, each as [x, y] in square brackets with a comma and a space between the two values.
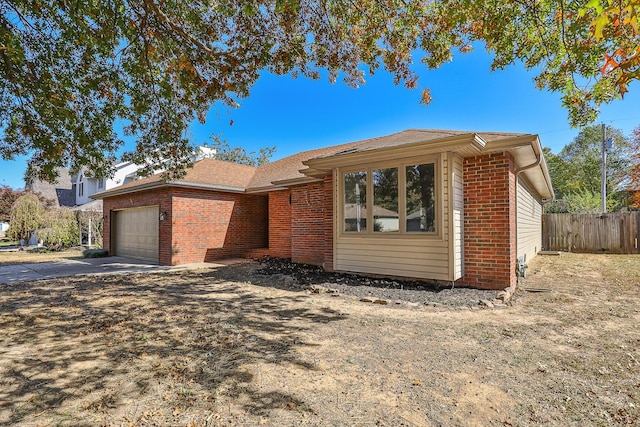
[518, 171]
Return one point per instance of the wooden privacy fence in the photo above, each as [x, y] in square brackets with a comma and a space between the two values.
[614, 233]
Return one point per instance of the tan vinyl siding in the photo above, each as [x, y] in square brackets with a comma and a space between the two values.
[396, 257]
[529, 211]
[425, 256]
[443, 197]
[458, 218]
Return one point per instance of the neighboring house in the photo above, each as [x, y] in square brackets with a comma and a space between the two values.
[430, 204]
[61, 193]
[76, 190]
[86, 186]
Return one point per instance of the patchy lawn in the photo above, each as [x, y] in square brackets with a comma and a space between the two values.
[19, 257]
[207, 348]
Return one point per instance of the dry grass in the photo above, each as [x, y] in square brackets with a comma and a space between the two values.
[198, 349]
[20, 257]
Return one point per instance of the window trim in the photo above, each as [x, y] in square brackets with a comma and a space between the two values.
[401, 164]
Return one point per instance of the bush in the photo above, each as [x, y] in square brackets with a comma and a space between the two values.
[95, 253]
[60, 228]
[26, 216]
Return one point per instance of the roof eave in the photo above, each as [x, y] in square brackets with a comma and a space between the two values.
[321, 165]
[133, 189]
[156, 184]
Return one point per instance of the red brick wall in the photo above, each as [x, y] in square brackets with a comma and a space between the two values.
[280, 224]
[200, 225]
[328, 223]
[160, 197]
[210, 225]
[309, 225]
[489, 221]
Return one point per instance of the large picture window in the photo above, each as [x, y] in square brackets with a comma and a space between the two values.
[402, 199]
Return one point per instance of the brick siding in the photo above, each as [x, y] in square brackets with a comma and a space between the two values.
[280, 224]
[328, 223]
[200, 225]
[311, 228]
[489, 221]
[210, 225]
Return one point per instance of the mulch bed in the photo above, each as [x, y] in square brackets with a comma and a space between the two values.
[285, 274]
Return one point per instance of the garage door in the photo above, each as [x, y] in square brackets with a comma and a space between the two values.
[136, 233]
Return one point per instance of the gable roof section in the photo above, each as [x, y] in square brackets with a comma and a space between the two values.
[288, 169]
[61, 192]
[293, 169]
[207, 173]
[525, 148]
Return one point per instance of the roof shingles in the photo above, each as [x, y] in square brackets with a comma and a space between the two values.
[220, 174]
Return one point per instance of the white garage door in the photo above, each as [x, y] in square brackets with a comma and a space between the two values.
[136, 233]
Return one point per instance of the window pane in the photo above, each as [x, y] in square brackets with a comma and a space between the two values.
[421, 214]
[355, 201]
[385, 200]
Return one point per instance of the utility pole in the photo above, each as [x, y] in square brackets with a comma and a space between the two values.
[603, 188]
[606, 144]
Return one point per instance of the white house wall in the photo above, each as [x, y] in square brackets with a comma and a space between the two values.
[529, 217]
[90, 186]
[121, 173]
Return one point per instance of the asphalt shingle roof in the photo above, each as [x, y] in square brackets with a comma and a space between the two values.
[61, 192]
[221, 174]
[206, 172]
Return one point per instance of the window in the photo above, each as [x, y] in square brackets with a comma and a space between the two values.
[385, 200]
[355, 201]
[403, 199]
[81, 189]
[420, 212]
[100, 183]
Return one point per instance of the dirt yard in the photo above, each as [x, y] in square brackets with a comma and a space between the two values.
[231, 347]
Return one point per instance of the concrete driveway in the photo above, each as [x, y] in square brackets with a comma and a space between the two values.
[88, 266]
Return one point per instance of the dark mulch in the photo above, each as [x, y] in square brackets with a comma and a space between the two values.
[290, 275]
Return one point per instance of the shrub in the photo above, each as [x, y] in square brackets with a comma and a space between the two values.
[95, 253]
[27, 214]
[60, 228]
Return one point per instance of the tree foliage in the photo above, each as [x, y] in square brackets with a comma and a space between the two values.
[634, 179]
[27, 214]
[59, 228]
[616, 22]
[225, 152]
[576, 170]
[70, 71]
[8, 196]
[587, 202]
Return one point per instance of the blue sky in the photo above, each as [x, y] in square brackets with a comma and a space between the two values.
[300, 114]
